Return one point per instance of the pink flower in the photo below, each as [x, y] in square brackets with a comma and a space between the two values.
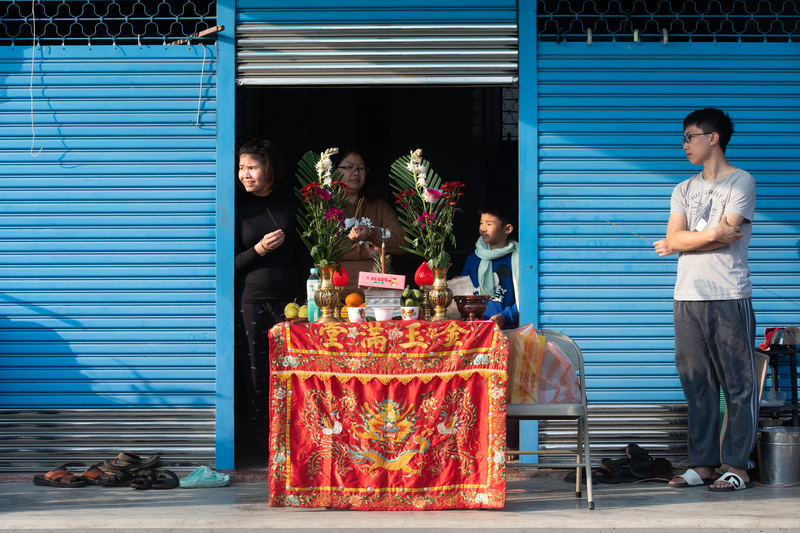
[334, 214]
[433, 195]
[323, 194]
[429, 217]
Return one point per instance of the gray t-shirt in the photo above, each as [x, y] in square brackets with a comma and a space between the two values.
[720, 274]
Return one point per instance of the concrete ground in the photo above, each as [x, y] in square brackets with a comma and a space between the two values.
[532, 504]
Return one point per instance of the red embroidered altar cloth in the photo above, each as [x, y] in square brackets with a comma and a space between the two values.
[388, 415]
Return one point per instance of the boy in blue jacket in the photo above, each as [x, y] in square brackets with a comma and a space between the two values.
[494, 267]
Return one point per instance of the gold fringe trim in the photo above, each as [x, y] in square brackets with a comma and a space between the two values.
[387, 378]
[391, 489]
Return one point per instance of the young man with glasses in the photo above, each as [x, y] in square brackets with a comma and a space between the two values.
[709, 225]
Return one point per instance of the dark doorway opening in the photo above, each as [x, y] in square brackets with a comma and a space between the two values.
[467, 133]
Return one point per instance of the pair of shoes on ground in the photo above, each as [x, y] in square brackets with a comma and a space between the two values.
[692, 479]
[205, 478]
[155, 479]
[638, 465]
[118, 472]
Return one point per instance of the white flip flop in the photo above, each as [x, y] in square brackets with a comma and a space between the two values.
[692, 479]
[737, 482]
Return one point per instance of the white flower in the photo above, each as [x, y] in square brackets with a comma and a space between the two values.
[279, 394]
[497, 393]
[325, 165]
[421, 181]
[416, 156]
[482, 498]
[366, 222]
[327, 181]
[386, 233]
[279, 458]
[290, 361]
[480, 359]
[499, 457]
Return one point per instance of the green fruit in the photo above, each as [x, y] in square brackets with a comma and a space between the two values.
[417, 294]
[303, 312]
[291, 310]
[409, 302]
[406, 293]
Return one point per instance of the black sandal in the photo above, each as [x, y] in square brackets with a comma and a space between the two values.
[130, 462]
[641, 463]
[120, 479]
[166, 480]
[144, 480]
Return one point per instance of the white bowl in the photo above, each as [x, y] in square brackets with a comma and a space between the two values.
[383, 313]
[409, 313]
[357, 314]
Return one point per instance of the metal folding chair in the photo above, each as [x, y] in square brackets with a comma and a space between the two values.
[563, 411]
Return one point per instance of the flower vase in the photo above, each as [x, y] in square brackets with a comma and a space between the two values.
[327, 297]
[440, 296]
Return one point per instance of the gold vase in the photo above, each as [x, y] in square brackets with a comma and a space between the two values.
[327, 297]
[440, 296]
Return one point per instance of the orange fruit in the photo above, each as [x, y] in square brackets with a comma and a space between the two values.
[364, 305]
[353, 300]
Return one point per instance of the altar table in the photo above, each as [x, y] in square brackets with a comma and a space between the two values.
[388, 415]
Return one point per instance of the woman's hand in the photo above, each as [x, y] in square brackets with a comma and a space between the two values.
[270, 242]
[359, 233]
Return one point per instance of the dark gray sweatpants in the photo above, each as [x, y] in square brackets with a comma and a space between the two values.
[714, 348]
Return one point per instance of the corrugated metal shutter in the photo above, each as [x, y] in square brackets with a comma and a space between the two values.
[396, 43]
[107, 328]
[610, 119]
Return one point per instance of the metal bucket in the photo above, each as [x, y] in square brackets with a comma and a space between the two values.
[779, 455]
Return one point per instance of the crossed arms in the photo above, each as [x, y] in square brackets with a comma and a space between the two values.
[679, 239]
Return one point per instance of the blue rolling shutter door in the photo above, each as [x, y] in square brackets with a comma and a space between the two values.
[107, 284]
[610, 122]
[362, 42]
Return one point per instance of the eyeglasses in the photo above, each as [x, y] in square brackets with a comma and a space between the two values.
[351, 168]
[687, 139]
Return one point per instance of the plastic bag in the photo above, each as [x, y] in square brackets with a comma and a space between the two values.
[461, 286]
[539, 372]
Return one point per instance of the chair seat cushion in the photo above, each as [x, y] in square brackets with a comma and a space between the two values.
[524, 411]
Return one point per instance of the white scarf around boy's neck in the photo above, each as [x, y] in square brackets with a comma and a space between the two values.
[485, 272]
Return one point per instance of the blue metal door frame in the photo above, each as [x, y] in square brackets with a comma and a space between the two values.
[226, 50]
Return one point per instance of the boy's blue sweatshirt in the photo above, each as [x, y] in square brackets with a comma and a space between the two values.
[503, 300]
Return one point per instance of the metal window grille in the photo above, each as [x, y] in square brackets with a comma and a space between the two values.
[103, 22]
[511, 112]
[669, 20]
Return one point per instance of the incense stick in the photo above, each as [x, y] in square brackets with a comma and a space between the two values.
[629, 231]
[273, 219]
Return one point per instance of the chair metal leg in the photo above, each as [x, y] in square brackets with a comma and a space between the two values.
[578, 460]
[587, 453]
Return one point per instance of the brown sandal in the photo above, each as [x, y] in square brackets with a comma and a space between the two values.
[60, 477]
[94, 476]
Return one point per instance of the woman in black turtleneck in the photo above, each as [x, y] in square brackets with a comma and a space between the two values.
[266, 275]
